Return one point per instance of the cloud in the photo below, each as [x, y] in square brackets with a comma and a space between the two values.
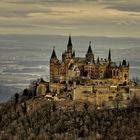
[96, 17]
[126, 7]
[126, 22]
[122, 5]
[39, 1]
[134, 14]
[11, 9]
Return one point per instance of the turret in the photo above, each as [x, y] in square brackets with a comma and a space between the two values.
[125, 64]
[53, 63]
[124, 68]
[89, 54]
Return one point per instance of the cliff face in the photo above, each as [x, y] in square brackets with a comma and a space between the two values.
[39, 118]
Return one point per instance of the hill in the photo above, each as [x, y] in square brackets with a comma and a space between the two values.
[39, 118]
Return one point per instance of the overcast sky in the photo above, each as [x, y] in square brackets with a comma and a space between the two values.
[78, 17]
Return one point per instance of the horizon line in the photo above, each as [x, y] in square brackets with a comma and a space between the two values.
[62, 35]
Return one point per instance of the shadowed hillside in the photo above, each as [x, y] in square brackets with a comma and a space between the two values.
[39, 118]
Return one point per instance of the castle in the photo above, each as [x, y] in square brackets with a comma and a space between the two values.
[87, 70]
[99, 81]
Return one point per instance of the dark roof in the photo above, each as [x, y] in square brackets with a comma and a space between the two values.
[109, 55]
[98, 60]
[53, 54]
[124, 63]
[89, 49]
[69, 41]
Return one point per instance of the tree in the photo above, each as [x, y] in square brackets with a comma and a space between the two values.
[16, 98]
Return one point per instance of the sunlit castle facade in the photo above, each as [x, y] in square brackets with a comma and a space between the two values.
[88, 69]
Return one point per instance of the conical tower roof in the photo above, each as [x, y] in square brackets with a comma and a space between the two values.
[53, 56]
[109, 55]
[69, 41]
[89, 49]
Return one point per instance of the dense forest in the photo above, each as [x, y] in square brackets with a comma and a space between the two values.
[49, 120]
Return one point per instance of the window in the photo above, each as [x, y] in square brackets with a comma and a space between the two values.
[117, 73]
[110, 98]
[125, 76]
[114, 72]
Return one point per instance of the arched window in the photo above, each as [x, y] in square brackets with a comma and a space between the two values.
[101, 83]
[105, 83]
[82, 71]
[117, 73]
[96, 83]
[114, 73]
[125, 76]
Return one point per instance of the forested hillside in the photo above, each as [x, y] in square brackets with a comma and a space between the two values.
[40, 119]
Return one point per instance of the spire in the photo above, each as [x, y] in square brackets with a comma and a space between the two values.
[73, 54]
[53, 54]
[69, 41]
[128, 64]
[89, 49]
[120, 64]
[89, 54]
[98, 60]
[69, 46]
[109, 55]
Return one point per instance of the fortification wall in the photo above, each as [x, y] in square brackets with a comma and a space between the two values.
[110, 96]
[97, 95]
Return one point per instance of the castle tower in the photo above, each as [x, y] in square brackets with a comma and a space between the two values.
[89, 54]
[53, 62]
[69, 54]
[124, 72]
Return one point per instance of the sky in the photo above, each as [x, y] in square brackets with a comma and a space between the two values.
[113, 18]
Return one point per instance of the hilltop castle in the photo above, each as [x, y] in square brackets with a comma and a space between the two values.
[87, 70]
[100, 81]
